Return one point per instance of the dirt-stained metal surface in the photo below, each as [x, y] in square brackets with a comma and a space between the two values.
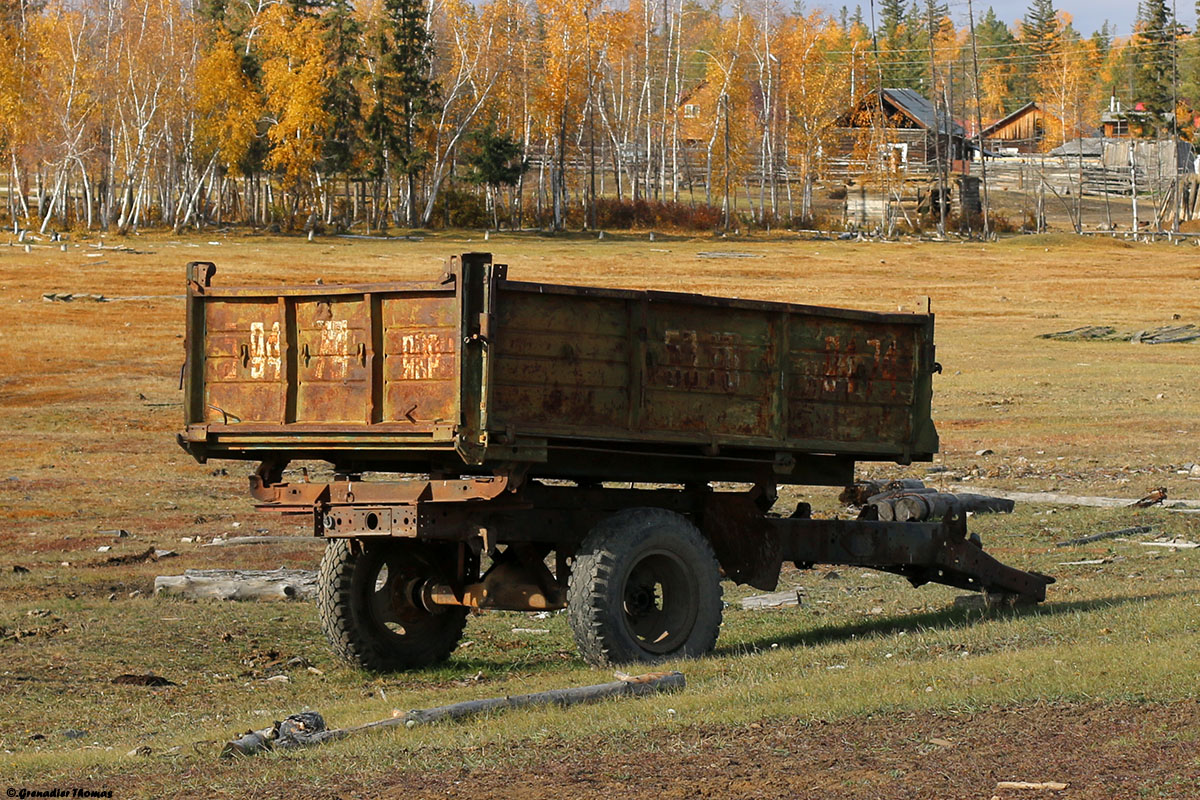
[486, 373]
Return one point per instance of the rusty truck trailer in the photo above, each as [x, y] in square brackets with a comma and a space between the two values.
[516, 403]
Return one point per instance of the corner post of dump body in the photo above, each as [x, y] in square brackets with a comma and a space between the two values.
[476, 294]
[199, 278]
[924, 434]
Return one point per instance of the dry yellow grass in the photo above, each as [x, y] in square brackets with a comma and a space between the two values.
[89, 405]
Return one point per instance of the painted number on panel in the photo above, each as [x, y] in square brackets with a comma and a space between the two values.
[335, 337]
[708, 361]
[420, 356]
[264, 350]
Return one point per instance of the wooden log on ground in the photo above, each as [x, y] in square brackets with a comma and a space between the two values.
[781, 599]
[298, 730]
[892, 494]
[919, 507]
[631, 687]
[985, 504]
[906, 484]
[865, 492]
[858, 494]
[305, 730]
[249, 743]
[228, 584]
[1053, 498]
[1044, 786]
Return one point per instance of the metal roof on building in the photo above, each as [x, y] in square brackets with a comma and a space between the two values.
[922, 111]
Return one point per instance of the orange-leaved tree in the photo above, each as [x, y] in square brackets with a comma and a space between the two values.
[227, 103]
[295, 70]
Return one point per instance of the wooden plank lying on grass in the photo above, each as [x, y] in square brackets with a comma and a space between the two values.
[234, 584]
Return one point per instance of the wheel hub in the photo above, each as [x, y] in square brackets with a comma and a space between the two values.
[659, 601]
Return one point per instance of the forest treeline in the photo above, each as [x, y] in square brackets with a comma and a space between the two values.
[121, 114]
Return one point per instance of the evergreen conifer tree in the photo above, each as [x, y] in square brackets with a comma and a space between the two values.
[343, 35]
[404, 96]
[1154, 43]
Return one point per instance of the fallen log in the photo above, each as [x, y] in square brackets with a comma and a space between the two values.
[1053, 498]
[1097, 537]
[230, 584]
[918, 507]
[885, 510]
[892, 494]
[857, 494]
[308, 729]
[864, 492]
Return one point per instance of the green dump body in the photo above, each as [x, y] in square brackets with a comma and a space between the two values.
[475, 374]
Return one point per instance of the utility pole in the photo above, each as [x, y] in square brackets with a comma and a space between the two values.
[1178, 182]
[937, 128]
[979, 120]
[887, 196]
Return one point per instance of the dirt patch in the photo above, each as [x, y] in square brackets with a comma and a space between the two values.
[1101, 752]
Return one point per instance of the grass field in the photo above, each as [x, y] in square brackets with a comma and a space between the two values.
[869, 689]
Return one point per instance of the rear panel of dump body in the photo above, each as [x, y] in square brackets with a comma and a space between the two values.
[474, 373]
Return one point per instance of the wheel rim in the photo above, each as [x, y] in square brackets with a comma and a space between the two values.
[659, 601]
[391, 588]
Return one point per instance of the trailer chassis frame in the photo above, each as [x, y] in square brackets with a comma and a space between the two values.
[530, 519]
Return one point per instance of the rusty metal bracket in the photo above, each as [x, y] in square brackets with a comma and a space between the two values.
[200, 274]
[747, 548]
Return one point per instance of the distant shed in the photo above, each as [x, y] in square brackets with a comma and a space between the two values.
[1027, 130]
[1022, 131]
[908, 128]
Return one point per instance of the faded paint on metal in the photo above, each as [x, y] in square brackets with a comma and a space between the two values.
[508, 371]
[242, 364]
[420, 369]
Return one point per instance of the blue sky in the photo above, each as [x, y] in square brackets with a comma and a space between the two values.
[1088, 14]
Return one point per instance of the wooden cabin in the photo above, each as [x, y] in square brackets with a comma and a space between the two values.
[909, 124]
[1135, 123]
[1022, 131]
[1031, 129]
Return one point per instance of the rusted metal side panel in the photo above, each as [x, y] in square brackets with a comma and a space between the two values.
[560, 363]
[851, 382]
[243, 368]
[710, 372]
[602, 364]
[332, 378]
[420, 366]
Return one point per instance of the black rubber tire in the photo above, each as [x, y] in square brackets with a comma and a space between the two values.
[356, 613]
[657, 549]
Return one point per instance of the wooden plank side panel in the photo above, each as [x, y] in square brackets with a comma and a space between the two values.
[851, 382]
[559, 362]
[243, 370]
[711, 372]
